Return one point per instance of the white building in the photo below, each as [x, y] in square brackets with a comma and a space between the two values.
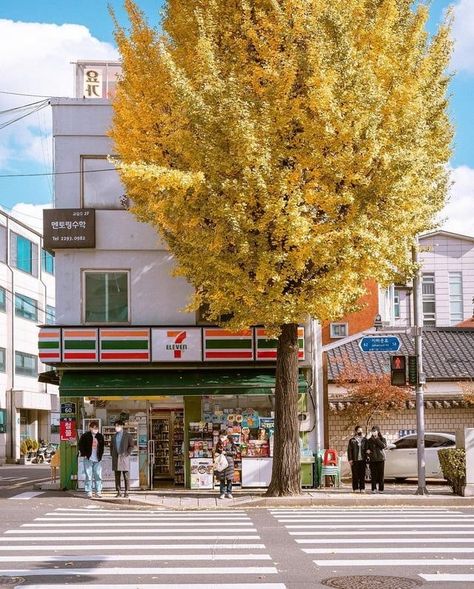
[27, 299]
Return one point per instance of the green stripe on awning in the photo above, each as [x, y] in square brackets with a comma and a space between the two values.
[232, 344]
[42, 345]
[133, 383]
[80, 344]
[124, 345]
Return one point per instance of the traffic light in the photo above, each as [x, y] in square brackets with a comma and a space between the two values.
[398, 371]
[413, 370]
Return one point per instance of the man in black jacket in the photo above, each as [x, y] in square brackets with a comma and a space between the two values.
[91, 448]
[357, 457]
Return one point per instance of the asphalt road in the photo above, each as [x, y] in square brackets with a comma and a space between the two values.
[54, 540]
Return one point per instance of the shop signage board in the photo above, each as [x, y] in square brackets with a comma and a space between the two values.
[224, 345]
[68, 408]
[67, 429]
[125, 345]
[177, 345]
[93, 83]
[68, 228]
[267, 348]
[49, 345]
[373, 343]
[80, 345]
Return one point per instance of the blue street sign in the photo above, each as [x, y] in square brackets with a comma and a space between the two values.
[376, 343]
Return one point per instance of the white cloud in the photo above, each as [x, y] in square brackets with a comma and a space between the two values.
[29, 214]
[36, 59]
[463, 33]
[459, 211]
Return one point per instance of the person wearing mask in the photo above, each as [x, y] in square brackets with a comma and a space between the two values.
[226, 446]
[357, 457]
[376, 446]
[121, 446]
[91, 448]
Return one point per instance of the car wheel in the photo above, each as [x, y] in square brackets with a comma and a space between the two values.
[400, 479]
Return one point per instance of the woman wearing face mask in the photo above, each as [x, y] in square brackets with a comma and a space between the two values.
[376, 445]
[91, 448]
[121, 446]
[357, 457]
[226, 446]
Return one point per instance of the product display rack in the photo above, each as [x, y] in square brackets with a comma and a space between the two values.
[160, 432]
[178, 451]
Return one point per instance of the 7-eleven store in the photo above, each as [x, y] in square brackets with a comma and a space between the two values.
[177, 389]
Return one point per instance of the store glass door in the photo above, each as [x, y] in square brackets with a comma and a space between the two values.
[166, 448]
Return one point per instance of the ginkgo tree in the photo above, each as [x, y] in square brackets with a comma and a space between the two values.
[286, 151]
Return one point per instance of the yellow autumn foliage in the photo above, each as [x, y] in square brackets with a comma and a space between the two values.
[286, 150]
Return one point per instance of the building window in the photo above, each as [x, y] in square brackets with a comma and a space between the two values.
[24, 254]
[3, 244]
[338, 330]
[3, 299]
[26, 364]
[396, 305]
[50, 315]
[429, 301]
[456, 313]
[26, 308]
[101, 185]
[106, 297]
[47, 262]
[3, 360]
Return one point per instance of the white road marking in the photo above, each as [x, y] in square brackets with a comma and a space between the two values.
[373, 519]
[141, 518]
[448, 578]
[119, 524]
[105, 571]
[165, 586]
[27, 495]
[364, 526]
[387, 562]
[87, 536]
[375, 533]
[168, 513]
[388, 550]
[381, 541]
[133, 557]
[87, 547]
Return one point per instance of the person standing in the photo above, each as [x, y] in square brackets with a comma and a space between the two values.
[376, 446]
[227, 447]
[91, 448]
[121, 446]
[357, 457]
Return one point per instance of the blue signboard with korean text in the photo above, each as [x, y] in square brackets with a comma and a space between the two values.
[375, 343]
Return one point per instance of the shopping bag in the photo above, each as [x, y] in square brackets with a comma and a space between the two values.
[220, 463]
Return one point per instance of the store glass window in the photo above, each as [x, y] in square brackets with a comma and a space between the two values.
[339, 330]
[3, 299]
[456, 311]
[3, 421]
[26, 364]
[429, 300]
[106, 297]
[101, 185]
[26, 308]
[396, 305]
[24, 254]
[47, 262]
[3, 244]
[50, 315]
[3, 360]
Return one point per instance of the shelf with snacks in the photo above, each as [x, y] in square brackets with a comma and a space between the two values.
[177, 445]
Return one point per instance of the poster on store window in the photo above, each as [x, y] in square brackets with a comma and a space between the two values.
[177, 345]
[202, 473]
[67, 429]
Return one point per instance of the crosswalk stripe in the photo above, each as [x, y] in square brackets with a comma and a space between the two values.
[134, 557]
[381, 541]
[87, 533]
[387, 562]
[27, 495]
[362, 525]
[389, 550]
[164, 513]
[104, 571]
[119, 524]
[165, 586]
[388, 510]
[375, 520]
[448, 578]
[372, 532]
[89, 547]
[141, 518]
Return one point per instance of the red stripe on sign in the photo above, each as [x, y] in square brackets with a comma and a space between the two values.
[54, 355]
[80, 356]
[124, 356]
[268, 354]
[301, 355]
[229, 355]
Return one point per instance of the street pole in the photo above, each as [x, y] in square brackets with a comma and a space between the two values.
[420, 377]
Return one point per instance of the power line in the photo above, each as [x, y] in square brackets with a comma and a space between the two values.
[57, 173]
[30, 95]
[30, 112]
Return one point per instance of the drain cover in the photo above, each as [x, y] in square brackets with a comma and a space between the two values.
[4, 581]
[371, 582]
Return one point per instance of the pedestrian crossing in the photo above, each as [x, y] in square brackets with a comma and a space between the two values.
[131, 549]
[436, 545]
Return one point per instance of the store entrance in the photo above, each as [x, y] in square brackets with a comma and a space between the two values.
[166, 447]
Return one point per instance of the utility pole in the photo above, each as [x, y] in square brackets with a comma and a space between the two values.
[421, 379]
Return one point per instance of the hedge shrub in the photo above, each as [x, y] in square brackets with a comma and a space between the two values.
[453, 465]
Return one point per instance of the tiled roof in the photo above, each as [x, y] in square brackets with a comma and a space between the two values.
[448, 354]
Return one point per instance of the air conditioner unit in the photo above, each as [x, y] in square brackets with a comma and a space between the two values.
[304, 421]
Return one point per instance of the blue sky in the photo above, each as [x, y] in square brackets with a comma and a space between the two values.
[26, 148]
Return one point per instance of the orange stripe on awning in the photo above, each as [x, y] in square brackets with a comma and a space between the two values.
[226, 333]
[49, 334]
[79, 333]
[123, 333]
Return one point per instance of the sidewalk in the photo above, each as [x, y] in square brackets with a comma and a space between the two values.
[395, 496]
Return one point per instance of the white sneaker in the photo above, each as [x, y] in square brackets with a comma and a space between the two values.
[89, 495]
[99, 495]
[229, 496]
[222, 496]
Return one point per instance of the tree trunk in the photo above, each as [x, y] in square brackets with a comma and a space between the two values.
[286, 472]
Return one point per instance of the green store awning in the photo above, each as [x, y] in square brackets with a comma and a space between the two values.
[169, 382]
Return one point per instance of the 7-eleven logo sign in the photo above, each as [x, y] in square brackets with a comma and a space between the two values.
[178, 347]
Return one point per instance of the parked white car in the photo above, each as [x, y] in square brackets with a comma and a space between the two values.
[401, 462]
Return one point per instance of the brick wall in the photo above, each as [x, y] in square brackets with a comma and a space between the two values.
[436, 420]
